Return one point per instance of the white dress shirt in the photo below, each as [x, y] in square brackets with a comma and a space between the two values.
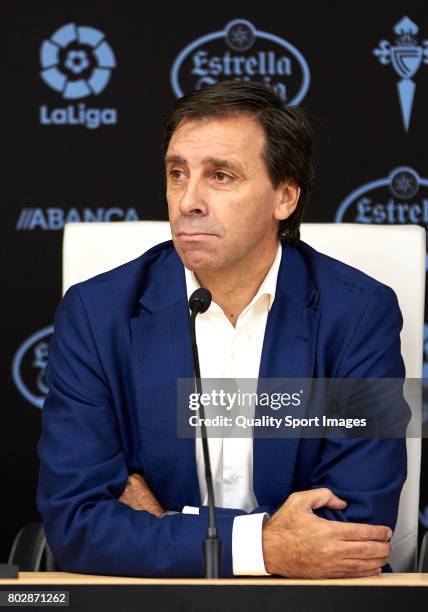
[234, 352]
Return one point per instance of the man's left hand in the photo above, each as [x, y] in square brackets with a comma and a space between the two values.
[138, 496]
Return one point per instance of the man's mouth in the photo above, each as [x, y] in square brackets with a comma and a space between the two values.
[194, 235]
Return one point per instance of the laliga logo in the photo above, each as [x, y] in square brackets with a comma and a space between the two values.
[390, 200]
[406, 57]
[240, 52]
[28, 366]
[79, 52]
[77, 62]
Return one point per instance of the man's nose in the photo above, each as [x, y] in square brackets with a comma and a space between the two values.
[192, 200]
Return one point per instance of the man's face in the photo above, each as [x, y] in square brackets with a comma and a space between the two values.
[220, 199]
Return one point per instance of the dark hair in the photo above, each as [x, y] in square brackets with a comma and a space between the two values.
[289, 137]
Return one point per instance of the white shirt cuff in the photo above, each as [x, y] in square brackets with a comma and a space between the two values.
[247, 549]
[190, 510]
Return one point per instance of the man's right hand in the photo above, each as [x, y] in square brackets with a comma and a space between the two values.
[138, 495]
[299, 544]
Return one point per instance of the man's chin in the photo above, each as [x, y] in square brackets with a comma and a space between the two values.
[192, 257]
[199, 265]
[199, 262]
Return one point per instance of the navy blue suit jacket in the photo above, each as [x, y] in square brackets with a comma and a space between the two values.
[121, 340]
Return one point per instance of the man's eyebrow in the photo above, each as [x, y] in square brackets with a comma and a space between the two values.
[223, 163]
[175, 159]
[213, 161]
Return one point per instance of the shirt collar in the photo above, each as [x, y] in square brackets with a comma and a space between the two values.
[267, 287]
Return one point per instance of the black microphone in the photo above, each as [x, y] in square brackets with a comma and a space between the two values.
[200, 301]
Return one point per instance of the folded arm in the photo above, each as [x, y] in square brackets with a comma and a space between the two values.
[369, 472]
[83, 473]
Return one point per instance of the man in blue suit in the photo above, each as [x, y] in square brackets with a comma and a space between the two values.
[119, 492]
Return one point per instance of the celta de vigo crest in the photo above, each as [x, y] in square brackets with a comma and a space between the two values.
[406, 57]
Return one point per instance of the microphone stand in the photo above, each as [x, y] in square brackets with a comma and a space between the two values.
[213, 546]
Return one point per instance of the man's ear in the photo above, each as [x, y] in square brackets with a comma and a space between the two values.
[288, 194]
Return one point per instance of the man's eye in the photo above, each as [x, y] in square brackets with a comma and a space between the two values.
[222, 177]
[175, 174]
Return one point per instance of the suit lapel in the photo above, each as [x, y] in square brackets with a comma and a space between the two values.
[161, 353]
[288, 352]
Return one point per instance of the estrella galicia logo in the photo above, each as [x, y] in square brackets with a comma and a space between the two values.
[241, 52]
[28, 366]
[405, 57]
[77, 62]
[399, 198]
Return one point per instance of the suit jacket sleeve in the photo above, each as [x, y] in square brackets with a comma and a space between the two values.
[369, 472]
[83, 472]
